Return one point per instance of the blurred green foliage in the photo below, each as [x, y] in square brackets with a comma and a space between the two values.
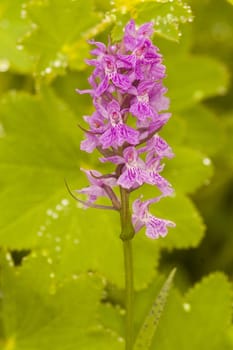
[61, 276]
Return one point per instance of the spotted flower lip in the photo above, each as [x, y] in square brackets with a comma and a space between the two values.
[155, 227]
[128, 95]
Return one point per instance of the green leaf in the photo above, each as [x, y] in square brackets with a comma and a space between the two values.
[193, 79]
[196, 127]
[179, 125]
[67, 239]
[147, 331]
[203, 128]
[166, 16]
[169, 16]
[38, 311]
[13, 56]
[189, 170]
[39, 150]
[203, 317]
[61, 42]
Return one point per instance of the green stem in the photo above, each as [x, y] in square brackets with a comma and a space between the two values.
[127, 230]
[127, 233]
[128, 259]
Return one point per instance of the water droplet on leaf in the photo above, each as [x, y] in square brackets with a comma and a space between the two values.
[206, 161]
[4, 65]
[65, 202]
[187, 307]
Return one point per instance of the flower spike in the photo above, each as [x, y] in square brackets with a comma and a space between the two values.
[127, 91]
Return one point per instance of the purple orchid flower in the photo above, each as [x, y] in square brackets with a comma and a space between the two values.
[140, 105]
[98, 187]
[155, 227]
[117, 132]
[132, 35]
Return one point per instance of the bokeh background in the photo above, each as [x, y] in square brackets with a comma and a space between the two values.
[61, 276]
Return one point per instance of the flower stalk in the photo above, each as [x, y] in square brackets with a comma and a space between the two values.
[127, 230]
[129, 293]
[127, 233]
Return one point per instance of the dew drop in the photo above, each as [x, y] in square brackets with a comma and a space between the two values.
[57, 63]
[120, 339]
[52, 275]
[76, 241]
[44, 252]
[19, 47]
[57, 239]
[123, 10]
[80, 205]
[34, 26]
[48, 70]
[65, 202]
[55, 216]
[39, 234]
[58, 248]
[187, 307]
[49, 212]
[59, 207]
[23, 13]
[74, 277]
[206, 161]
[49, 261]
[2, 131]
[8, 257]
[4, 65]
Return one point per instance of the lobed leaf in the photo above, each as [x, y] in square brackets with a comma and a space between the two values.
[166, 15]
[61, 42]
[38, 311]
[205, 315]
